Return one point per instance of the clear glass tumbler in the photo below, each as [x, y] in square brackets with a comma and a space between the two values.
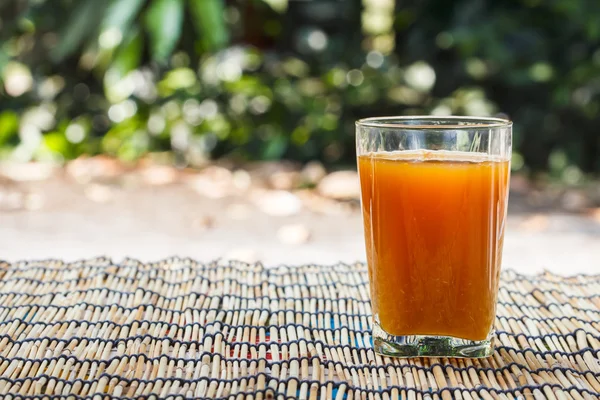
[434, 192]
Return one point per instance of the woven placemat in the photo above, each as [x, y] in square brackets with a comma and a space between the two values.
[178, 328]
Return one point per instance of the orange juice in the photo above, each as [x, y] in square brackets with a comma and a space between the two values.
[434, 229]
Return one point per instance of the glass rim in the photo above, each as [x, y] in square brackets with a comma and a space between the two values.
[431, 122]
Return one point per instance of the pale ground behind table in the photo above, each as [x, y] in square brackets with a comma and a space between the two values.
[154, 222]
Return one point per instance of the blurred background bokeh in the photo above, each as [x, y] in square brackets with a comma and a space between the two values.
[249, 105]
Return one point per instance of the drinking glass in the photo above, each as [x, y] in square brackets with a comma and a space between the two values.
[434, 192]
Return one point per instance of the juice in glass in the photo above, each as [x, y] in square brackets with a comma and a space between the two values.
[434, 193]
[434, 230]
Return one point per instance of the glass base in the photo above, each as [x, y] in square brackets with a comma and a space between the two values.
[430, 346]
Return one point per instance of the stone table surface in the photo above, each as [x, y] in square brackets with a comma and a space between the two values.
[70, 221]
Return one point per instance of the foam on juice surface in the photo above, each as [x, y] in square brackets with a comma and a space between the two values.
[422, 155]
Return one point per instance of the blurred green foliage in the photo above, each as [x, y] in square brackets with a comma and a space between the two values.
[270, 79]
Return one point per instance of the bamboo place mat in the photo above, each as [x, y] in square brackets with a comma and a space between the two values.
[178, 328]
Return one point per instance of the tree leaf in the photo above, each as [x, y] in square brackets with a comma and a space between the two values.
[164, 21]
[121, 13]
[126, 59]
[275, 148]
[129, 54]
[57, 142]
[82, 22]
[9, 124]
[208, 16]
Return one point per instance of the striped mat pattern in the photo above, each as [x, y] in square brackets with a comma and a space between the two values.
[183, 329]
